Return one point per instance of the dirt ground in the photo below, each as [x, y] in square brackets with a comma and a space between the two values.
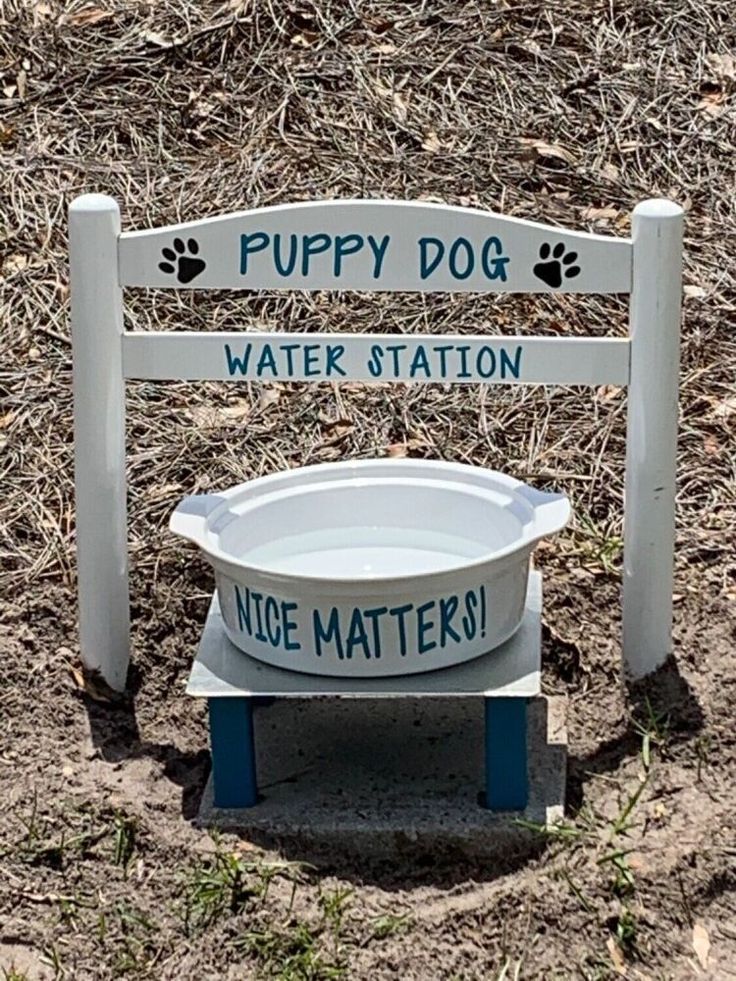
[563, 112]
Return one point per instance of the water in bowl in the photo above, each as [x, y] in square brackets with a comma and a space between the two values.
[363, 552]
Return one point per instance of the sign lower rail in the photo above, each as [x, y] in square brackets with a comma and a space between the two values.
[241, 356]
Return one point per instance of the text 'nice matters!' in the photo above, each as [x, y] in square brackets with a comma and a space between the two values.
[367, 632]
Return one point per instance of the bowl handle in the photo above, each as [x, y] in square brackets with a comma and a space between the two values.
[551, 510]
[190, 517]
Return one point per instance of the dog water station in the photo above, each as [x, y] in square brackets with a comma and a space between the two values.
[372, 653]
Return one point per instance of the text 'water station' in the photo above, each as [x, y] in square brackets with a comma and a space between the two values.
[376, 578]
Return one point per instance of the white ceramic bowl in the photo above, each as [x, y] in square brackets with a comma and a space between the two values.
[371, 567]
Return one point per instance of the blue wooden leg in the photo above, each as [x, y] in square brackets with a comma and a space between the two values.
[233, 752]
[507, 787]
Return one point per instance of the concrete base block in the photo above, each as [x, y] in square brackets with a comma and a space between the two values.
[385, 776]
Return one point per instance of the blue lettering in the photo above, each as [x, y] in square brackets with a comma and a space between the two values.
[374, 362]
[329, 635]
[400, 612]
[249, 245]
[257, 597]
[267, 361]
[514, 367]
[235, 363]
[273, 631]
[357, 635]
[311, 360]
[243, 610]
[488, 353]
[448, 609]
[287, 349]
[469, 622]
[289, 625]
[345, 245]
[426, 268]
[494, 268]
[469, 258]
[395, 350]
[288, 269]
[420, 360]
[374, 616]
[334, 353]
[379, 253]
[423, 627]
[442, 350]
[313, 245]
[462, 350]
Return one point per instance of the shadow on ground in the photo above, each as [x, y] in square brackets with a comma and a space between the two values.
[439, 859]
[665, 699]
[116, 736]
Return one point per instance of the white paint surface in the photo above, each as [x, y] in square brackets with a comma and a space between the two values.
[651, 446]
[245, 356]
[396, 230]
[99, 438]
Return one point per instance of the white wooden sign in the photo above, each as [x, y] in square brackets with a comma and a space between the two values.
[373, 245]
[246, 356]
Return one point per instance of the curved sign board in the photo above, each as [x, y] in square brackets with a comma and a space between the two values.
[374, 245]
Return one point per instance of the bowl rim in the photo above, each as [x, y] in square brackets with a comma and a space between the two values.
[357, 469]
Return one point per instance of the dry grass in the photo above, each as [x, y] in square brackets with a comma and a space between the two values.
[569, 113]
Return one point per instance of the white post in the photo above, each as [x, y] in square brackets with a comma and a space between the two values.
[651, 436]
[99, 437]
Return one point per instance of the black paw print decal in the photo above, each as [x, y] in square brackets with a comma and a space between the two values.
[551, 270]
[183, 260]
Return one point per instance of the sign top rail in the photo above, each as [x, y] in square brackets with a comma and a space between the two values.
[380, 245]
